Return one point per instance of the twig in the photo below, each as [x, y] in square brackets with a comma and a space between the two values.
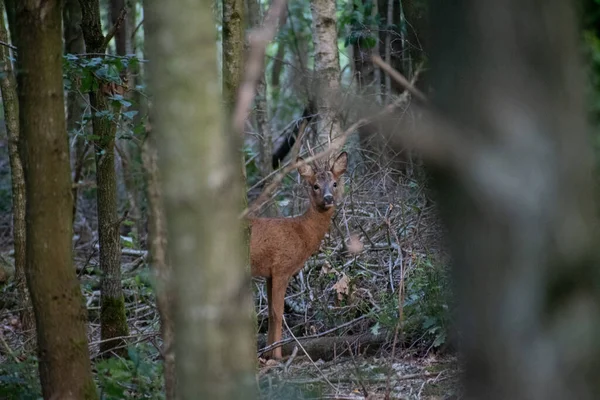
[136, 29]
[358, 374]
[254, 66]
[308, 355]
[10, 46]
[8, 349]
[113, 30]
[291, 359]
[398, 77]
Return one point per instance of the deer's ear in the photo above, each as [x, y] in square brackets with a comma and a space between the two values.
[340, 164]
[305, 170]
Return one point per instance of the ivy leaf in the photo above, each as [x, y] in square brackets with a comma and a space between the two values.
[130, 114]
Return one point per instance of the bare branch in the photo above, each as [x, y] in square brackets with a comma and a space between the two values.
[113, 30]
[10, 46]
[398, 77]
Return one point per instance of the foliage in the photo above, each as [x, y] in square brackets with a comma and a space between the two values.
[361, 20]
[19, 380]
[427, 306]
[84, 74]
[135, 378]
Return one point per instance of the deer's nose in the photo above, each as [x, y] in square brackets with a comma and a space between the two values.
[328, 198]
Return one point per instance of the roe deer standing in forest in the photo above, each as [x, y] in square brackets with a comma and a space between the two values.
[279, 247]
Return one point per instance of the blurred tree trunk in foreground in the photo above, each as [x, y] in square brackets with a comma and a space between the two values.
[64, 361]
[159, 261]
[202, 186]
[518, 203]
[10, 104]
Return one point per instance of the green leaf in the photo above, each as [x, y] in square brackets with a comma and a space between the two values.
[369, 42]
[440, 339]
[130, 114]
[375, 329]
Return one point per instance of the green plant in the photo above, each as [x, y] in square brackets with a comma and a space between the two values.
[428, 303]
[19, 380]
[135, 378]
[427, 306]
[361, 21]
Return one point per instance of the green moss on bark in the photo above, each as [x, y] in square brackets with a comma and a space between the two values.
[113, 323]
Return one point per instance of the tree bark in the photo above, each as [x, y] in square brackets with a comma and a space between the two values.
[64, 362]
[233, 50]
[518, 203]
[75, 103]
[157, 245]
[113, 319]
[121, 39]
[11, 11]
[203, 187]
[327, 67]
[10, 102]
[261, 110]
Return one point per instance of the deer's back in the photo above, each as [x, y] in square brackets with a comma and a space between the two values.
[280, 246]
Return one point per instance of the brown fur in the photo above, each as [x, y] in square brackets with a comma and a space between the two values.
[279, 247]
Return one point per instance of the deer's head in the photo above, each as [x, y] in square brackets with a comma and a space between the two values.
[324, 188]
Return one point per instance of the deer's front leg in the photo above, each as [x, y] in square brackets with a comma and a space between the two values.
[276, 303]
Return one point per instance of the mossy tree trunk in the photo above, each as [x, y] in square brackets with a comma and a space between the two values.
[518, 204]
[64, 363]
[113, 319]
[203, 189]
[10, 102]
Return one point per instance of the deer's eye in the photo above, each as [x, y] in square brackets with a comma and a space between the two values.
[334, 184]
[316, 187]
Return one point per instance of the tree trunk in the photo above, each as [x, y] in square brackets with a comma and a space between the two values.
[113, 319]
[261, 110]
[64, 362]
[121, 33]
[327, 67]
[157, 245]
[518, 205]
[233, 50]
[203, 187]
[10, 102]
[75, 103]
[127, 149]
[11, 11]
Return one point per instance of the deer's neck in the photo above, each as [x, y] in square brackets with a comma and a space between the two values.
[318, 222]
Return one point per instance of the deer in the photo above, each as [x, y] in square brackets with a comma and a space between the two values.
[279, 247]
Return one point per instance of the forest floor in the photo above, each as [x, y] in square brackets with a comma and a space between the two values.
[432, 377]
